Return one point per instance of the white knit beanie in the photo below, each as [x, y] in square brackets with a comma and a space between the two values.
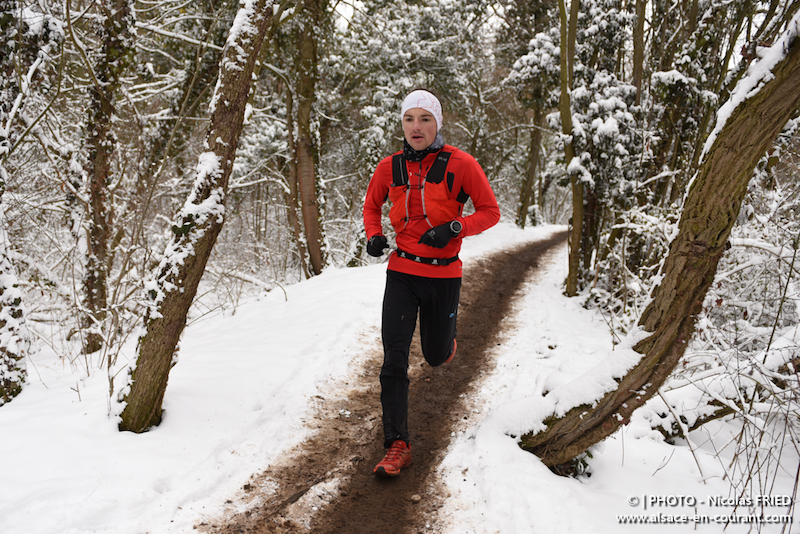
[425, 100]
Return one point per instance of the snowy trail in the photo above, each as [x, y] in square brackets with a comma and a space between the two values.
[326, 485]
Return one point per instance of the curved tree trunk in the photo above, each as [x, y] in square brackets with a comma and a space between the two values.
[711, 208]
[198, 222]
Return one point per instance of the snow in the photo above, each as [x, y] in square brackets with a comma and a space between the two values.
[671, 77]
[246, 381]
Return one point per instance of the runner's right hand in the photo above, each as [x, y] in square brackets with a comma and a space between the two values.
[376, 244]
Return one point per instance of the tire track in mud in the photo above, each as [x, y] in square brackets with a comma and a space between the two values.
[325, 484]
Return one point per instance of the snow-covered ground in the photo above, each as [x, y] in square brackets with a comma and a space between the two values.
[245, 380]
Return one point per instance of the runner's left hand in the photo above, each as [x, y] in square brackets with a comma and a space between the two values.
[438, 236]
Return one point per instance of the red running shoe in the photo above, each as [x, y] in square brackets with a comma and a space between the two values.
[397, 457]
[452, 353]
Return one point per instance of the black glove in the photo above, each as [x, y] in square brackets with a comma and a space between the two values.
[438, 236]
[376, 244]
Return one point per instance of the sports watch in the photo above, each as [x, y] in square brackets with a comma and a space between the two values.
[455, 228]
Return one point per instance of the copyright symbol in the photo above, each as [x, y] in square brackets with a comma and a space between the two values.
[633, 500]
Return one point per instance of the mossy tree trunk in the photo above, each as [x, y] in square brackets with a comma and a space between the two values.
[116, 55]
[198, 223]
[711, 208]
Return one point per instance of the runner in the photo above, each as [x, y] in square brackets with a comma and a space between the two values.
[427, 184]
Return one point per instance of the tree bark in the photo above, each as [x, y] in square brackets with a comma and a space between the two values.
[565, 106]
[198, 223]
[572, 35]
[711, 208]
[304, 147]
[292, 194]
[115, 57]
[527, 197]
[638, 49]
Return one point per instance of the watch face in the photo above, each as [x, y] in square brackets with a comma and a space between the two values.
[456, 226]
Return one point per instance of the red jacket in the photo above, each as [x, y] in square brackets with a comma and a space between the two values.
[468, 176]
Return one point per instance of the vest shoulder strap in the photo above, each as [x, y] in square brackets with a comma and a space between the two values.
[436, 172]
[399, 170]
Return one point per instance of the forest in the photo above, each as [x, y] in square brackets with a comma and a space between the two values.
[160, 160]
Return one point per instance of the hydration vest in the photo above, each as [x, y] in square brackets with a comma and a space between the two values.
[439, 204]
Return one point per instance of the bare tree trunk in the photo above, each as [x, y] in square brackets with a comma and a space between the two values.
[304, 147]
[711, 208]
[198, 223]
[526, 197]
[572, 35]
[638, 49]
[293, 191]
[115, 57]
[565, 106]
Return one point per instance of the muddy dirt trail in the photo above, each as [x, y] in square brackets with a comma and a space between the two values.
[325, 485]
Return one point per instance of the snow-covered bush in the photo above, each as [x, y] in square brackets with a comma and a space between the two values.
[627, 268]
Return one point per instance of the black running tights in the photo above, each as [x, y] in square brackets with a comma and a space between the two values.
[436, 299]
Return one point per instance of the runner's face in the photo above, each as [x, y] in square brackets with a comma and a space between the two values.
[419, 127]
